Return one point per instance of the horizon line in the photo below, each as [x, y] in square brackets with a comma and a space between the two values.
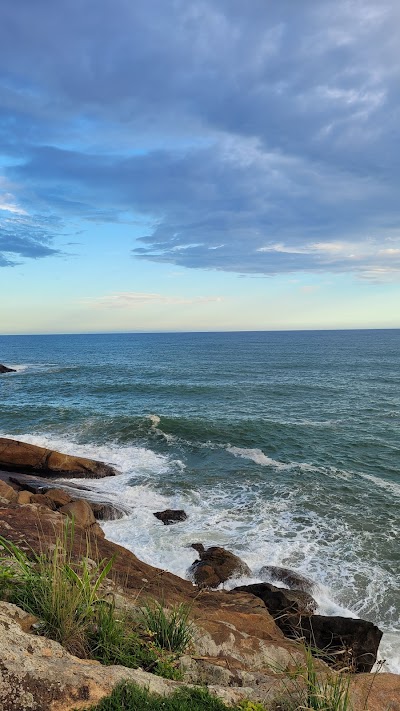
[157, 332]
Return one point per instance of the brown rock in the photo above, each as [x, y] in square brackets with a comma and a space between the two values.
[24, 497]
[104, 511]
[7, 492]
[216, 566]
[294, 580]
[80, 511]
[40, 675]
[59, 496]
[4, 369]
[19, 456]
[43, 500]
[282, 603]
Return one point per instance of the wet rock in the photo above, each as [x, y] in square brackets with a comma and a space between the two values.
[4, 369]
[293, 580]
[216, 566]
[20, 456]
[170, 516]
[342, 641]
[281, 603]
[345, 642]
[104, 511]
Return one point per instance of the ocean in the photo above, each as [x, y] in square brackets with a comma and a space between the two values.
[283, 447]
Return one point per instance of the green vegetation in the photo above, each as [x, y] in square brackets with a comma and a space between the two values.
[129, 697]
[66, 597]
[170, 628]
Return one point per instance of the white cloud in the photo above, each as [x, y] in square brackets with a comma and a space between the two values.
[137, 299]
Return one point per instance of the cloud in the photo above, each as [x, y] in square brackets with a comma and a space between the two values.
[255, 138]
[137, 299]
[26, 237]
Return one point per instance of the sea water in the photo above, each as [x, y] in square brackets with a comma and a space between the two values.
[283, 447]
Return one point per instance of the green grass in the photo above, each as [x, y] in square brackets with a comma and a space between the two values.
[169, 627]
[66, 597]
[129, 697]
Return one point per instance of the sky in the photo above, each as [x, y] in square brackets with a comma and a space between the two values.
[199, 165]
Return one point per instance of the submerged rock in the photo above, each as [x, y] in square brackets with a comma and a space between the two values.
[294, 580]
[216, 566]
[4, 369]
[170, 516]
[20, 456]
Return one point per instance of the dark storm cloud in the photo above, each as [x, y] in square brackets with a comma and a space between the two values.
[266, 131]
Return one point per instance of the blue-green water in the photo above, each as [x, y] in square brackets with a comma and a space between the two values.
[283, 447]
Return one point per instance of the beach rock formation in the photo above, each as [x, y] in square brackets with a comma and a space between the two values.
[293, 580]
[20, 456]
[282, 603]
[4, 369]
[343, 642]
[38, 674]
[215, 566]
[170, 516]
[353, 643]
[237, 643]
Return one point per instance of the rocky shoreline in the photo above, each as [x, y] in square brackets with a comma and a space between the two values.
[246, 640]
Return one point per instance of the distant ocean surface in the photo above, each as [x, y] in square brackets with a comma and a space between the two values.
[282, 446]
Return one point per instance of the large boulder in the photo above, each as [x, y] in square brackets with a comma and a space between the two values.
[80, 511]
[281, 603]
[290, 578]
[20, 456]
[345, 642]
[4, 369]
[215, 566]
[170, 516]
[342, 642]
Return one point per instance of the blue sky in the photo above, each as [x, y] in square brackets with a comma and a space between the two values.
[199, 165]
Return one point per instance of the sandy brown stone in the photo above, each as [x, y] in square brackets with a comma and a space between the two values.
[24, 497]
[59, 496]
[43, 500]
[80, 511]
[20, 456]
[7, 492]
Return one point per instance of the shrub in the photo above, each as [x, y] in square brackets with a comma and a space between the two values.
[66, 597]
[170, 628]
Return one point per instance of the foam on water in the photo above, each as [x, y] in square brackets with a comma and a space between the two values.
[235, 515]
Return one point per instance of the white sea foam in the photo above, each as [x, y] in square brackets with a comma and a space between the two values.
[257, 456]
[391, 486]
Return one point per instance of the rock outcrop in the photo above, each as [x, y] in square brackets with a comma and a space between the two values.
[237, 643]
[215, 566]
[343, 642]
[23, 457]
[4, 369]
[170, 516]
[282, 603]
[37, 674]
[293, 580]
